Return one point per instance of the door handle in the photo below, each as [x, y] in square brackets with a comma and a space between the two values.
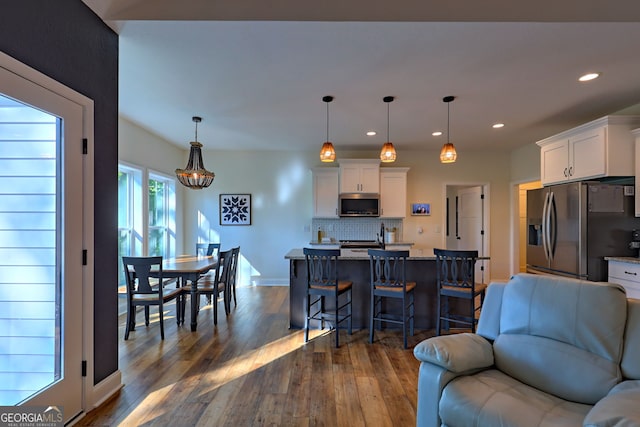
[553, 226]
[544, 226]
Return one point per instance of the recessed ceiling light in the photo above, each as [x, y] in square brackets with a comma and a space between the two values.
[438, 133]
[372, 133]
[589, 76]
[498, 125]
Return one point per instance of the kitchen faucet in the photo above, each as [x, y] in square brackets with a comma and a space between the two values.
[381, 236]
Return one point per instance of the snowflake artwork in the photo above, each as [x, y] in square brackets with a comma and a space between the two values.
[235, 209]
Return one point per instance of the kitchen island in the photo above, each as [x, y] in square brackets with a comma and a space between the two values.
[354, 266]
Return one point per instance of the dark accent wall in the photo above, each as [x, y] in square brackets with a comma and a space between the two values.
[65, 40]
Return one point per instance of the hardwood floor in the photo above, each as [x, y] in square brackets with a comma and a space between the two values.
[251, 370]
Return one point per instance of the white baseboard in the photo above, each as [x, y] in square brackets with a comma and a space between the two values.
[262, 281]
[106, 388]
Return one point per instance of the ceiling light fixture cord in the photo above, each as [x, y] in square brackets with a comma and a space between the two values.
[388, 122]
[327, 121]
[448, 129]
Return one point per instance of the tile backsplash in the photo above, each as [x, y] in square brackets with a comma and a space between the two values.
[353, 228]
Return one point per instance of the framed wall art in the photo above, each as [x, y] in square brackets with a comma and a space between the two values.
[235, 209]
[421, 209]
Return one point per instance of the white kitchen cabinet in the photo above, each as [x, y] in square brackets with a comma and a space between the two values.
[393, 192]
[626, 274]
[325, 192]
[597, 149]
[360, 176]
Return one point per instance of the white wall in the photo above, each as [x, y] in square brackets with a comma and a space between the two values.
[280, 185]
[525, 163]
[280, 188]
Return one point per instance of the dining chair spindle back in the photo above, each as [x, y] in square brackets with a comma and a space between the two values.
[145, 288]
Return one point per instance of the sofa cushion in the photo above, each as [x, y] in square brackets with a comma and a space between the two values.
[562, 335]
[492, 398]
[618, 409]
[588, 315]
[630, 365]
[555, 367]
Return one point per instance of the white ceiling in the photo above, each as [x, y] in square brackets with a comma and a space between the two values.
[257, 71]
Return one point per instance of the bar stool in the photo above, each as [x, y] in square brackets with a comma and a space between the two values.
[456, 279]
[322, 283]
[388, 280]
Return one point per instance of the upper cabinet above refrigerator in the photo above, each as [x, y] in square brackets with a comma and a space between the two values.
[601, 148]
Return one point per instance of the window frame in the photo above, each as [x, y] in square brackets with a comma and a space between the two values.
[169, 207]
[135, 204]
[137, 214]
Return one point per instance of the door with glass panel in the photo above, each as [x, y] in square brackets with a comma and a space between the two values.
[41, 236]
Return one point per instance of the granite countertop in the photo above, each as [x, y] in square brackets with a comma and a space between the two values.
[337, 243]
[414, 254]
[629, 259]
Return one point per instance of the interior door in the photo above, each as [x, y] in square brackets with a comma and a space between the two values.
[470, 219]
[41, 239]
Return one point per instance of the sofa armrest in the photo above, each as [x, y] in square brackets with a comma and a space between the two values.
[618, 409]
[456, 353]
[443, 359]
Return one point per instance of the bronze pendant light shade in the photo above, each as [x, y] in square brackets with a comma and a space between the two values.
[195, 176]
[327, 152]
[388, 152]
[448, 153]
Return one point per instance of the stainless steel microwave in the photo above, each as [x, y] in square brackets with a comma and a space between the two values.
[359, 204]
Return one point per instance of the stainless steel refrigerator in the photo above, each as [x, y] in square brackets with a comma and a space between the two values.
[572, 227]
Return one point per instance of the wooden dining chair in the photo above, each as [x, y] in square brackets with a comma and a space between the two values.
[215, 284]
[323, 283]
[145, 288]
[388, 271]
[233, 275]
[207, 249]
[455, 275]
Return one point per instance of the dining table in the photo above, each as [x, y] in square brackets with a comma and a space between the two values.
[191, 268]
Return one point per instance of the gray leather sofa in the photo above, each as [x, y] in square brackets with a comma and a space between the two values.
[548, 351]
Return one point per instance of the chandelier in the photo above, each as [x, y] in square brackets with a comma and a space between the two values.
[195, 176]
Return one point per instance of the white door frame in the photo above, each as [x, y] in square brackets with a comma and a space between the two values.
[486, 221]
[514, 243]
[93, 395]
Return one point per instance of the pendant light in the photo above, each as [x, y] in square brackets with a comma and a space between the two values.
[448, 153]
[388, 152]
[327, 153]
[195, 176]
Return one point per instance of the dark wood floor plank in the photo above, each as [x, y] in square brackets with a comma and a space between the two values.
[323, 407]
[251, 370]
